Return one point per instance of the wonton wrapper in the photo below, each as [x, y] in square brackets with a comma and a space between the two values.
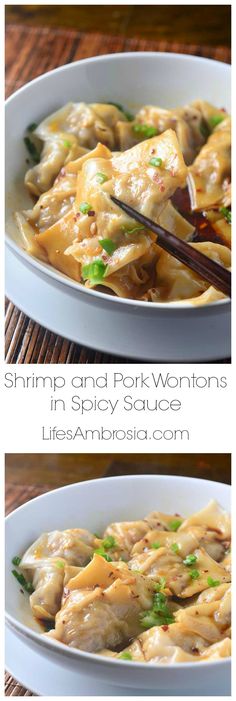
[102, 606]
[178, 282]
[74, 545]
[209, 175]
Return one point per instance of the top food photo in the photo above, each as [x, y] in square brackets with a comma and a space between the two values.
[118, 198]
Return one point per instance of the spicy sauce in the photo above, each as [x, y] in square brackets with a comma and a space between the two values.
[204, 228]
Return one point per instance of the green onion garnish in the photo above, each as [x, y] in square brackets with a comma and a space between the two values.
[157, 162]
[175, 548]
[60, 563]
[125, 656]
[101, 178]
[67, 144]
[85, 207]
[161, 584]
[127, 114]
[213, 582]
[102, 552]
[190, 560]
[32, 149]
[226, 213]
[32, 127]
[16, 560]
[174, 525]
[155, 546]
[194, 574]
[109, 542]
[215, 120]
[145, 130]
[28, 586]
[159, 614]
[108, 245]
[133, 229]
[94, 271]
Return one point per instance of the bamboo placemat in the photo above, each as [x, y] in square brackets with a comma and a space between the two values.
[30, 51]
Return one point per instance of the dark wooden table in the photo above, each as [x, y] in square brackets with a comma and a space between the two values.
[187, 24]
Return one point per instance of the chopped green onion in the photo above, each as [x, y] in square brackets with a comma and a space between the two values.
[28, 586]
[190, 560]
[127, 114]
[215, 120]
[145, 130]
[85, 207]
[16, 560]
[175, 548]
[32, 126]
[226, 213]
[60, 563]
[161, 584]
[67, 144]
[97, 536]
[213, 582]
[174, 525]
[133, 229]
[94, 271]
[125, 656]
[102, 552]
[194, 574]
[108, 245]
[159, 614]
[32, 149]
[109, 542]
[157, 162]
[101, 178]
[155, 546]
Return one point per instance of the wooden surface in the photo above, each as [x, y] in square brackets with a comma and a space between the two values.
[183, 23]
[29, 475]
[30, 51]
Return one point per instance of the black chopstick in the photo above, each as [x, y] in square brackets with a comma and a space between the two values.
[208, 269]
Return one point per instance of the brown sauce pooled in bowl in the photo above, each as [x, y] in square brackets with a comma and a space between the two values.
[205, 230]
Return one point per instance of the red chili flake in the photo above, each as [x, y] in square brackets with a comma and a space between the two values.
[199, 189]
[195, 649]
[77, 214]
[157, 179]
[152, 150]
[203, 226]
[162, 188]
[91, 213]
[165, 628]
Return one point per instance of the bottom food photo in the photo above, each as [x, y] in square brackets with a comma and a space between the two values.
[118, 574]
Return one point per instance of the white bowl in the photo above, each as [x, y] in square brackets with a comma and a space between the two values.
[142, 330]
[93, 505]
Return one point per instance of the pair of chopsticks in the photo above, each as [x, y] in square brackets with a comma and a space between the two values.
[208, 269]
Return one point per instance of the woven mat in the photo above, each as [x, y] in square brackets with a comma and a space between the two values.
[30, 51]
